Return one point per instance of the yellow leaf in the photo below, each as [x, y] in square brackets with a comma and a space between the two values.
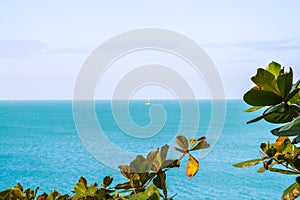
[281, 140]
[192, 167]
[193, 141]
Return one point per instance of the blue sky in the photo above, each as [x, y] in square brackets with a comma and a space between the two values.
[44, 44]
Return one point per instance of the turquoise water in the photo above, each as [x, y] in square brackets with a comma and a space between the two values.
[40, 147]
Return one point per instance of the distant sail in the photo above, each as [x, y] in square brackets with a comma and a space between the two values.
[147, 102]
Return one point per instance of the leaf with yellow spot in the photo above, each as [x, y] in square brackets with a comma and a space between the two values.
[192, 167]
[281, 141]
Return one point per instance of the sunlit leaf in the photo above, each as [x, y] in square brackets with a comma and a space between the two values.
[248, 163]
[281, 141]
[265, 80]
[261, 170]
[151, 193]
[192, 167]
[194, 141]
[293, 96]
[274, 68]
[182, 142]
[79, 188]
[83, 181]
[254, 108]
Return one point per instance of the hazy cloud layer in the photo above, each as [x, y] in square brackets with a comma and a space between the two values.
[21, 48]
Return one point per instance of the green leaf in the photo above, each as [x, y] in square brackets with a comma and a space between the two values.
[296, 85]
[282, 171]
[248, 163]
[142, 165]
[182, 142]
[292, 192]
[107, 180]
[261, 170]
[83, 181]
[171, 164]
[254, 108]
[255, 120]
[256, 97]
[281, 113]
[274, 68]
[79, 189]
[284, 83]
[160, 182]
[294, 123]
[163, 153]
[123, 186]
[200, 145]
[151, 193]
[266, 81]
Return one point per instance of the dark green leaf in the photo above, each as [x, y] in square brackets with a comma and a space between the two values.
[171, 163]
[280, 113]
[256, 97]
[271, 152]
[294, 123]
[284, 83]
[293, 96]
[248, 163]
[107, 181]
[291, 132]
[160, 182]
[255, 120]
[182, 142]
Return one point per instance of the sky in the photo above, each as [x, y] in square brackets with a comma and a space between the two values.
[44, 44]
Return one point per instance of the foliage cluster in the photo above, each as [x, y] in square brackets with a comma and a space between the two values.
[146, 178]
[275, 91]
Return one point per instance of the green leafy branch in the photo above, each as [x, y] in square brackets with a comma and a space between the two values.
[275, 91]
[146, 178]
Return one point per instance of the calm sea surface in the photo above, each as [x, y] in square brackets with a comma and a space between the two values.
[40, 146]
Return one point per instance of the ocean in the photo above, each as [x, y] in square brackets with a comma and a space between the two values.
[40, 146]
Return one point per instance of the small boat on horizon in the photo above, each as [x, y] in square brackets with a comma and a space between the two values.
[147, 102]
